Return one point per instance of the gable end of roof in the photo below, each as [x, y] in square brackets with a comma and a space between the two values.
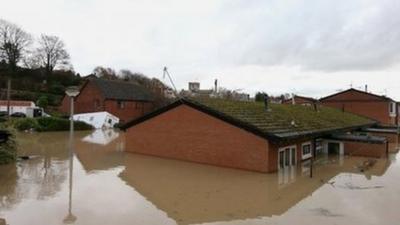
[383, 98]
[226, 118]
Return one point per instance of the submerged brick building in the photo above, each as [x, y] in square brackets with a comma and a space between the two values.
[246, 135]
[122, 99]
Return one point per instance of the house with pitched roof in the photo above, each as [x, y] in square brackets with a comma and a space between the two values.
[377, 107]
[122, 99]
[256, 136]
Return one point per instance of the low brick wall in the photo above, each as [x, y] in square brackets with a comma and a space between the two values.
[393, 140]
[365, 149]
[188, 134]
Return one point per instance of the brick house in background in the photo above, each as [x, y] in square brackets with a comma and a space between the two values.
[380, 108]
[300, 100]
[122, 99]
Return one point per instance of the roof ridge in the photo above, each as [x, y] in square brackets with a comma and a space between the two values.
[357, 90]
[122, 90]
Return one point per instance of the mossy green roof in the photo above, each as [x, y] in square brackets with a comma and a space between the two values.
[283, 120]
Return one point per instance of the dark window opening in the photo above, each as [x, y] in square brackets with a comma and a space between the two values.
[333, 148]
[293, 154]
[120, 104]
[281, 164]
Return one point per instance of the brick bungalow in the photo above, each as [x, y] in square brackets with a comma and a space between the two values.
[300, 100]
[244, 135]
[377, 107]
[122, 99]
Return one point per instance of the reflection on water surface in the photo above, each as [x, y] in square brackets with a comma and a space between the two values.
[113, 187]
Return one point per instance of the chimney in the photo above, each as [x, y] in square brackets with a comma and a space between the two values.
[293, 100]
[366, 88]
[266, 103]
[216, 85]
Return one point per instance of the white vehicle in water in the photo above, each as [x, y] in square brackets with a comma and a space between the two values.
[99, 120]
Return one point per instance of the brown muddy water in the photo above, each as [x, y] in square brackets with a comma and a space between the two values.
[109, 186]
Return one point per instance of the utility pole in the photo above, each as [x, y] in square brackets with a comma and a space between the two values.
[8, 96]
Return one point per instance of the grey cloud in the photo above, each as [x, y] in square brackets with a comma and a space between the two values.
[317, 35]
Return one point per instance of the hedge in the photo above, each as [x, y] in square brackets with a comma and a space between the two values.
[46, 124]
[60, 124]
[25, 124]
[8, 150]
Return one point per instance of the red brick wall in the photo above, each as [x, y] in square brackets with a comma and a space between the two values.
[393, 140]
[389, 136]
[364, 149]
[188, 134]
[362, 104]
[131, 110]
[85, 102]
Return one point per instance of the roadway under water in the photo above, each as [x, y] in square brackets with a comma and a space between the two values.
[109, 186]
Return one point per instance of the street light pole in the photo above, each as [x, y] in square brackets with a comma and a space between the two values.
[72, 92]
[71, 116]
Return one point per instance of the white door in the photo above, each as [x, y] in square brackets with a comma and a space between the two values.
[287, 157]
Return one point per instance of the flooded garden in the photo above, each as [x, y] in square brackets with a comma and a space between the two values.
[98, 183]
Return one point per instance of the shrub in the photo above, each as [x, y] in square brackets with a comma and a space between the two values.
[43, 102]
[56, 89]
[8, 150]
[25, 124]
[59, 124]
[45, 124]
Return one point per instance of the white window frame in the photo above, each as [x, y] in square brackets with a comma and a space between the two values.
[309, 155]
[392, 109]
[290, 154]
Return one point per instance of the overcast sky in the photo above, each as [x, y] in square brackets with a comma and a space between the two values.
[305, 47]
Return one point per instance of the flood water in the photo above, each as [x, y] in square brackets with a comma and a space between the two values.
[109, 186]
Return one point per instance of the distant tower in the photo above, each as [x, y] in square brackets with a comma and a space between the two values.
[194, 86]
[216, 85]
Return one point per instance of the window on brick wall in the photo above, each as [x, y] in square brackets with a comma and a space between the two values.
[120, 104]
[306, 150]
[392, 109]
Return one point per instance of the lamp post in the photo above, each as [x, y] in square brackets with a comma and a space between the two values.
[72, 92]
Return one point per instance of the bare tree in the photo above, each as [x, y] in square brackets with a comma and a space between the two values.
[105, 73]
[51, 53]
[31, 60]
[13, 43]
